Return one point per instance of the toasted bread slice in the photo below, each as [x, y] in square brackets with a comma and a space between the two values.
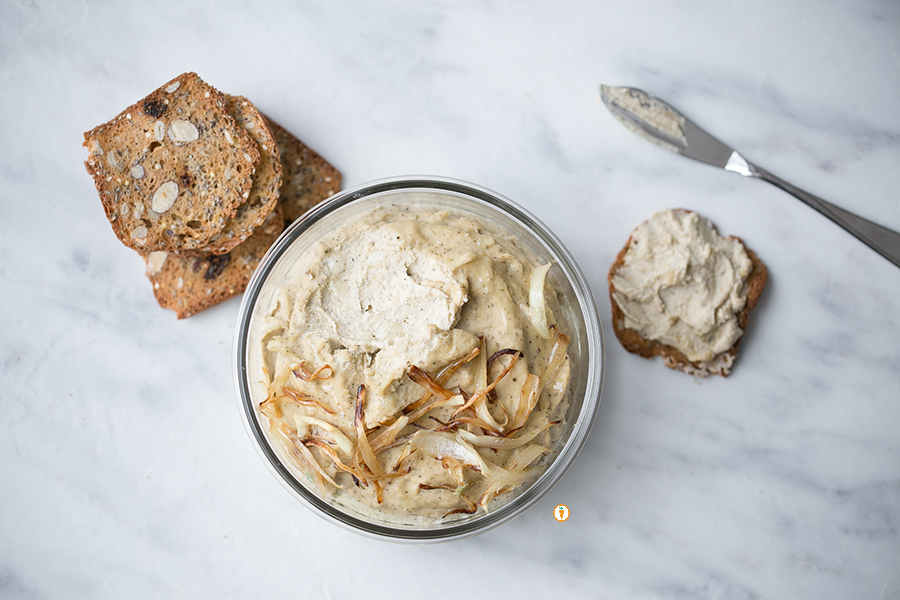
[307, 177]
[266, 181]
[173, 168]
[721, 364]
[189, 285]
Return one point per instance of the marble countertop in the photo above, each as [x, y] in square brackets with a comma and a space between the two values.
[125, 470]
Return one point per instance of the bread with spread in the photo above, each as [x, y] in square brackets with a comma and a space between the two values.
[681, 291]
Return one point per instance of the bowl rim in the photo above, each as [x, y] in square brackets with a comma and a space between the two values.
[580, 429]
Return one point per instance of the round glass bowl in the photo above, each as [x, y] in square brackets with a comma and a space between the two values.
[578, 317]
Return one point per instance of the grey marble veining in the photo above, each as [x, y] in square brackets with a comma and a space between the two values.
[124, 468]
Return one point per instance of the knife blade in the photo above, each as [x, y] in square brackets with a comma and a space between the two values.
[658, 122]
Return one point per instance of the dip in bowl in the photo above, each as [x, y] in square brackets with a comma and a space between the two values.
[418, 359]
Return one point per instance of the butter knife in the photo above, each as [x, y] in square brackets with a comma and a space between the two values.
[658, 122]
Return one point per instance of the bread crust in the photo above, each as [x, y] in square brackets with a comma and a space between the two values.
[179, 139]
[191, 284]
[201, 183]
[635, 343]
[307, 177]
[266, 186]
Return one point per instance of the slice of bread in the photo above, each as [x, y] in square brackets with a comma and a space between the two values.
[173, 168]
[307, 177]
[189, 285]
[266, 181]
[721, 364]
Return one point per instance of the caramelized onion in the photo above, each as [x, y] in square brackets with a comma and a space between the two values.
[386, 437]
[417, 403]
[455, 423]
[425, 380]
[456, 470]
[301, 373]
[438, 402]
[528, 398]
[362, 442]
[445, 445]
[323, 446]
[304, 399]
[487, 389]
[442, 377]
[537, 302]
[407, 450]
[467, 442]
[297, 395]
[516, 467]
[399, 442]
[492, 492]
[270, 408]
[492, 395]
[340, 439]
[557, 356]
[502, 443]
[443, 486]
[470, 508]
[297, 447]
[499, 353]
[481, 409]
[279, 381]
[445, 373]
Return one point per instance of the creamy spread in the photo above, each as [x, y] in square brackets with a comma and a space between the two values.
[682, 284]
[665, 123]
[398, 292]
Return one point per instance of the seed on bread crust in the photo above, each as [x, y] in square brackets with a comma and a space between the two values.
[183, 131]
[155, 262]
[164, 197]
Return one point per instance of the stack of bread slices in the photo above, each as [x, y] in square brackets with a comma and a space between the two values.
[201, 183]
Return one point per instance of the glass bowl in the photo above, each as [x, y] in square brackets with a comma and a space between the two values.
[578, 316]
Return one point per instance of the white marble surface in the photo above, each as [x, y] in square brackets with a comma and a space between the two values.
[124, 467]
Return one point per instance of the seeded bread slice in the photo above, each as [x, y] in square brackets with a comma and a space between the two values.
[307, 177]
[635, 343]
[173, 168]
[266, 181]
[189, 285]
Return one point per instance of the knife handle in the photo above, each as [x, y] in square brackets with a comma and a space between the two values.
[882, 240]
